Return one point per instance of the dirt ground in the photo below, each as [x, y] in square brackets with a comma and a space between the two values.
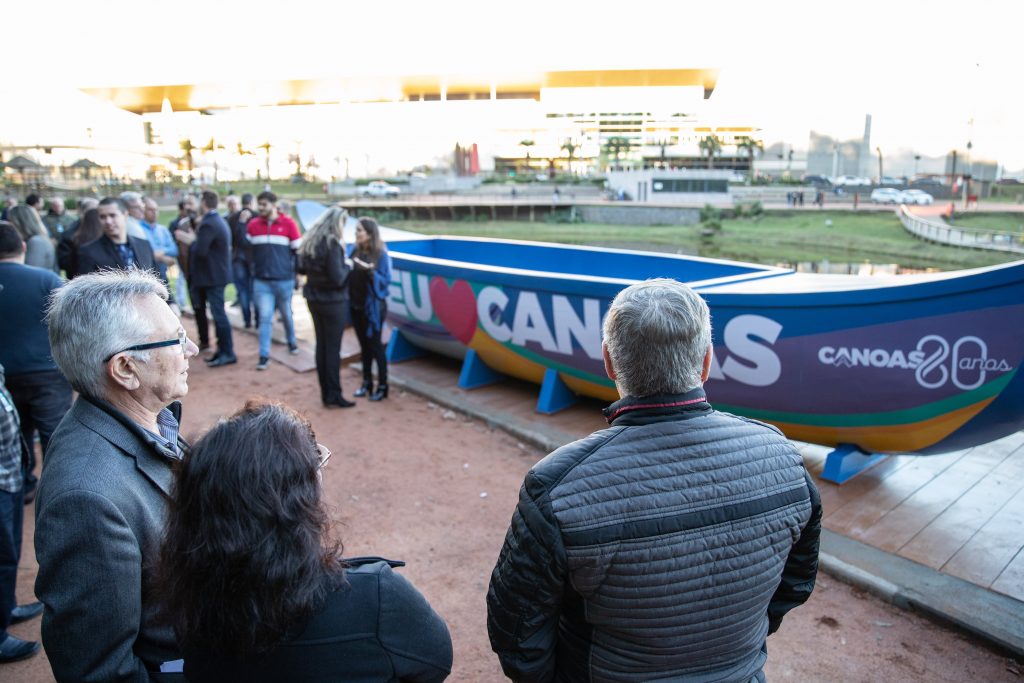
[412, 481]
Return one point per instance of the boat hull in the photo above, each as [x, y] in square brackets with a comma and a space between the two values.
[926, 367]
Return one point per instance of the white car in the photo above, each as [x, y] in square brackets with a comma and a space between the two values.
[378, 188]
[850, 180]
[887, 195]
[916, 197]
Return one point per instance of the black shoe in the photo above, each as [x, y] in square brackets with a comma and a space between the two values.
[25, 612]
[263, 364]
[213, 358]
[380, 394]
[367, 388]
[340, 403]
[15, 649]
[221, 361]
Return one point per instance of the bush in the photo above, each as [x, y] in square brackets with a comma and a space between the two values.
[710, 213]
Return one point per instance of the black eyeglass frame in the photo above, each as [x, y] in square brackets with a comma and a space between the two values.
[181, 339]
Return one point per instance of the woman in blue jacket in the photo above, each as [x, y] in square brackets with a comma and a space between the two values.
[254, 584]
[368, 287]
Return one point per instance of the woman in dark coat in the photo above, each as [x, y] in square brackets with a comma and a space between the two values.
[254, 585]
[322, 259]
[369, 284]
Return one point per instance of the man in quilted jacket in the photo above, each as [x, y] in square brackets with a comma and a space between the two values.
[667, 546]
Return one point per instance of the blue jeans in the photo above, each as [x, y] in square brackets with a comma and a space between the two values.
[215, 297]
[272, 294]
[243, 285]
[12, 511]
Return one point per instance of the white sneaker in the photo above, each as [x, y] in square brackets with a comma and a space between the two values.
[263, 364]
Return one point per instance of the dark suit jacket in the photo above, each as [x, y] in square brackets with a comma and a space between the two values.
[102, 253]
[100, 512]
[210, 255]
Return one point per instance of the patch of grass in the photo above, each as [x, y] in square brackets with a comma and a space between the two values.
[775, 237]
[1004, 221]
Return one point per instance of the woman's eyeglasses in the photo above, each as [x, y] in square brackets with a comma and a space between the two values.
[324, 454]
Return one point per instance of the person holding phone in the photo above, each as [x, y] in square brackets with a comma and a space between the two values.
[369, 284]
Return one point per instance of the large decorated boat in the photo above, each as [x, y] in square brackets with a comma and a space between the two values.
[924, 363]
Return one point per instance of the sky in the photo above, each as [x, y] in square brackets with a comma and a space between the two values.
[923, 70]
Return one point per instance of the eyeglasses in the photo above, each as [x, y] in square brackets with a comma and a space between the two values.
[324, 453]
[181, 339]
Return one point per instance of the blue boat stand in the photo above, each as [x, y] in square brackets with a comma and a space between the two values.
[400, 348]
[847, 461]
[475, 373]
[554, 394]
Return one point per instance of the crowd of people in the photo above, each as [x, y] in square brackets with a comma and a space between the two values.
[667, 546]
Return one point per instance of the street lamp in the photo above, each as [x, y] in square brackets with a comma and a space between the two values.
[917, 158]
[879, 150]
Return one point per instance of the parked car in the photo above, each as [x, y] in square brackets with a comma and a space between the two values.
[916, 197]
[378, 188]
[886, 195]
[816, 180]
[848, 180]
[888, 180]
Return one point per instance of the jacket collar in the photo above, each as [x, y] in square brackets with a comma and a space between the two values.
[637, 410]
[151, 458]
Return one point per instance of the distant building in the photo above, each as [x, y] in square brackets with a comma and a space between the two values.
[829, 156]
[701, 186]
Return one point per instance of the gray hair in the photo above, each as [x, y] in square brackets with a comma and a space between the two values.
[94, 316]
[657, 333]
[130, 196]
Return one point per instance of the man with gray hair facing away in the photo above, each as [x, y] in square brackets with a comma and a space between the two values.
[668, 546]
[107, 476]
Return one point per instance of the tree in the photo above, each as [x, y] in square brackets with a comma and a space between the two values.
[527, 144]
[266, 148]
[710, 145]
[187, 147]
[211, 147]
[615, 146]
[751, 146]
[570, 147]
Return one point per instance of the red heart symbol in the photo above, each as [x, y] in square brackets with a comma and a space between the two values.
[455, 307]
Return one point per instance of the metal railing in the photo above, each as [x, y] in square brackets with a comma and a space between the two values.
[941, 232]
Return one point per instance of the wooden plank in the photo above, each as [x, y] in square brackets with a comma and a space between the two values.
[856, 518]
[948, 532]
[1011, 580]
[897, 527]
[989, 552]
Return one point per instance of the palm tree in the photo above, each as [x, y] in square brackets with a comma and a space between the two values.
[570, 146]
[266, 148]
[187, 147]
[527, 144]
[616, 145]
[751, 146]
[211, 147]
[710, 145]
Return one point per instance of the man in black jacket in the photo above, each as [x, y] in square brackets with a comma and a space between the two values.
[668, 546]
[116, 248]
[209, 257]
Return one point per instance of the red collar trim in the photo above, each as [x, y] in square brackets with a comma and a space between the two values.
[648, 406]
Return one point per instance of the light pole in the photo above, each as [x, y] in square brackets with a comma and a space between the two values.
[879, 150]
[917, 158]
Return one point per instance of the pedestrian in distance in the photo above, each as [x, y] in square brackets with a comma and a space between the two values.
[102, 501]
[667, 546]
[274, 238]
[241, 258]
[254, 583]
[39, 249]
[40, 393]
[209, 273]
[369, 285]
[115, 248]
[322, 260]
[13, 455]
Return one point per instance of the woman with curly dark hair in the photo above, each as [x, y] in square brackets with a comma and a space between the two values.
[255, 588]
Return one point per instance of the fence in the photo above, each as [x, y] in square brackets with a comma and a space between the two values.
[941, 232]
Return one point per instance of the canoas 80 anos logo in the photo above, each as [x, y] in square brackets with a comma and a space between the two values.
[935, 362]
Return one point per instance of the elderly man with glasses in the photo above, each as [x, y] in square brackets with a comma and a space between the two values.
[107, 476]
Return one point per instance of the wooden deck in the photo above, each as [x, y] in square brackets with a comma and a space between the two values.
[960, 513]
